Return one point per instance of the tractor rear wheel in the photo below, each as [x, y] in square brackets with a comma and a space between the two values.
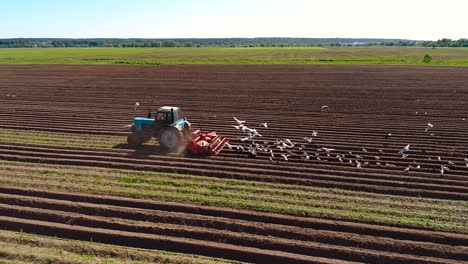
[171, 139]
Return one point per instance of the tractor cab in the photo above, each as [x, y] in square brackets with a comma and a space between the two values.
[168, 115]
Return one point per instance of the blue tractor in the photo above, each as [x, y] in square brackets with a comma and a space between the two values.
[167, 125]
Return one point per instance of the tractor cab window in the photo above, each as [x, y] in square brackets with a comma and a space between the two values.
[178, 115]
[164, 117]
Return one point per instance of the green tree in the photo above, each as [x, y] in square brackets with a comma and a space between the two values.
[169, 43]
[427, 58]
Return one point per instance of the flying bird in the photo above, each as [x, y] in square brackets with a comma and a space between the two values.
[264, 124]
[429, 126]
[239, 122]
[285, 157]
[403, 151]
[324, 108]
[314, 133]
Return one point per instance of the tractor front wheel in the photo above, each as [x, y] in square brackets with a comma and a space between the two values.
[134, 140]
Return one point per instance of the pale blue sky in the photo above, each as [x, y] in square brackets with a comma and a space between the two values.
[410, 19]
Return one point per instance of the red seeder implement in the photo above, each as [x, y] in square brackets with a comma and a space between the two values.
[209, 144]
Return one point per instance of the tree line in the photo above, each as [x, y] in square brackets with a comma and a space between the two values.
[223, 42]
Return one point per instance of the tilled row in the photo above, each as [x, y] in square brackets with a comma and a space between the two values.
[268, 173]
[257, 232]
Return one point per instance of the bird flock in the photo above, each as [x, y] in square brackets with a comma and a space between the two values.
[285, 149]
[306, 149]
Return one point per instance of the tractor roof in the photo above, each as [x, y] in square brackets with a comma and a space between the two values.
[168, 109]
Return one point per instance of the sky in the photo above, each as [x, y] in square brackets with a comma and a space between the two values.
[405, 19]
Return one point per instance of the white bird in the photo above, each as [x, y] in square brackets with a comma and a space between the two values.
[280, 147]
[271, 153]
[328, 150]
[264, 124]
[365, 150]
[407, 169]
[341, 160]
[239, 126]
[285, 157]
[244, 139]
[229, 145]
[314, 133]
[443, 169]
[429, 126]
[305, 156]
[308, 139]
[451, 163]
[404, 150]
[136, 105]
[324, 108]
[239, 122]
[358, 164]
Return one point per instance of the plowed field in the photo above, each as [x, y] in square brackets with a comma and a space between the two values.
[354, 199]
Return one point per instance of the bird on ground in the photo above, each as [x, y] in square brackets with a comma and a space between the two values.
[364, 150]
[328, 150]
[324, 108]
[305, 156]
[308, 139]
[358, 164]
[136, 105]
[388, 135]
[443, 169]
[239, 122]
[466, 162]
[429, 126]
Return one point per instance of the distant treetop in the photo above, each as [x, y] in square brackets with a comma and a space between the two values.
[222, 42]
